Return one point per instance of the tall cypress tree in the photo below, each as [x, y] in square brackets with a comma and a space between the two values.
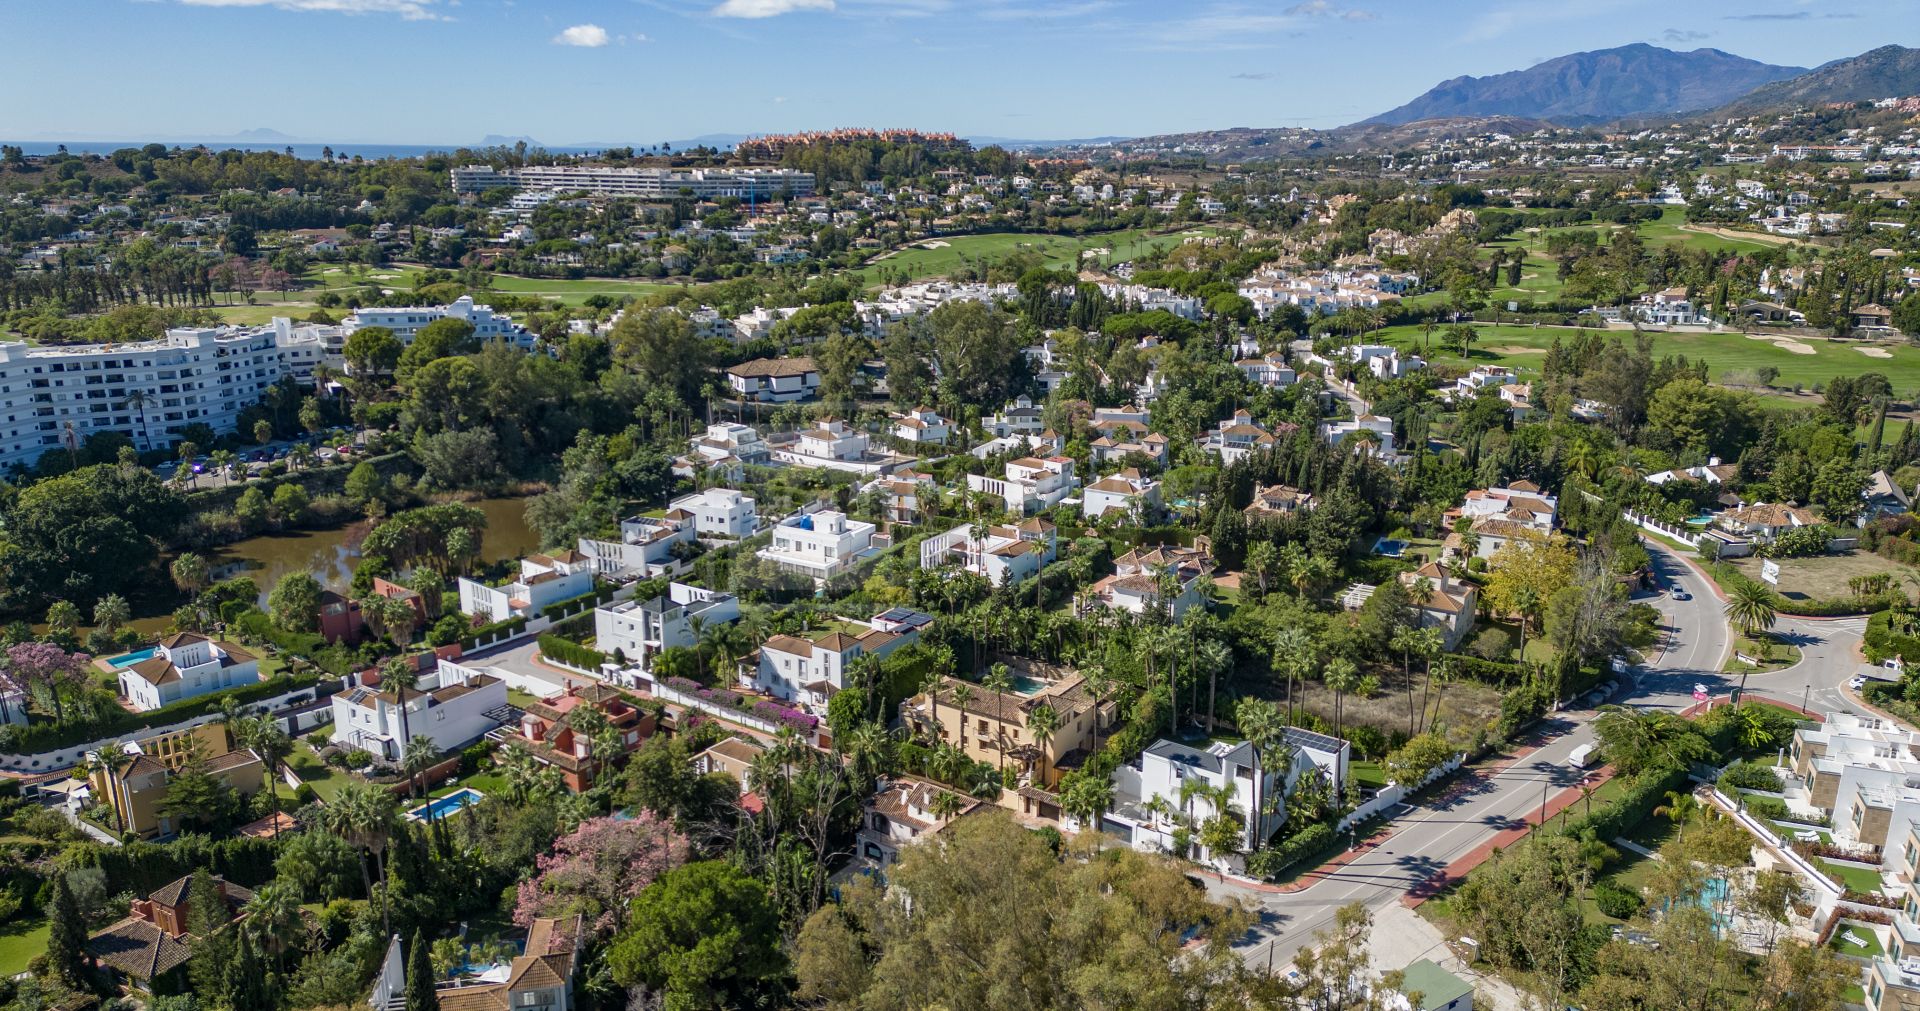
[209, 966]
[67, 936]
[420, 977]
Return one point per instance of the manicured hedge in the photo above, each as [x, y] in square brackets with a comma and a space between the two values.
[1748, 776]
[1311, 841]
[1883, 641]
[1634, 805]
[569, 652]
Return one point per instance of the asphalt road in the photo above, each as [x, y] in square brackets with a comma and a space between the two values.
[1428, 838]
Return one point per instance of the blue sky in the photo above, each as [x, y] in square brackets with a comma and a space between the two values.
[637, 71]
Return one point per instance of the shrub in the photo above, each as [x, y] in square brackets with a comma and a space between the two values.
[1616, 901]
[1770, 808]
[1310, 841]
[568, 652]
[1748, 776]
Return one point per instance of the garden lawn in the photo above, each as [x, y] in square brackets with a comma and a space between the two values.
[1524, 347]
[19, 942]
[1369, 774]
[1858, 879]
[305, 763]
[1783, 655]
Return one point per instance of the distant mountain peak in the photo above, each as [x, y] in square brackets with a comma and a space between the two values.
[1887, 72]
[1630, 80]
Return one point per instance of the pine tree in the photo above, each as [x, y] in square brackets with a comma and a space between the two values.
[420, 977]
[209, 966]
[67, 936]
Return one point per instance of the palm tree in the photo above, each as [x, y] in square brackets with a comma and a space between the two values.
[402, 675]
[420, 755]
[931, 686]
[999, 681]
[111, 612]
[520, 769]
[1296, 651]
[1260, 722]
[1042, 721]
[1087, 798]
[946, 804]
[1750, 606]
[1341, 677]
[1679, 808]
[265, 738]
[109, 760]
[189, 572]
[273, 916]
[138, 400]
[366, 815]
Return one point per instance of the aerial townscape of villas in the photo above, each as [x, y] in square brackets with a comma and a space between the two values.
[1466, 561]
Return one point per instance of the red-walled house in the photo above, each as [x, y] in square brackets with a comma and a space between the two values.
[547, 728]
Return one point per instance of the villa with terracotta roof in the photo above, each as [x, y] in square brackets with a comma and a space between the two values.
[452, 706]
[543, 580]
[1522, 502]
[774, 380]
[1128, 492]
[1278, 500]
[137, 791]
[1135, 585]
[1764, 521]
[995, 729]
[1240, 436]
[1007, 555]
[152, 943]
[1121, 437]
[923, 425]
[552, 730]
[811, 667]
[185, 665]
[903, 811]
[1444, 602]
[1031, 484]
[540, 978]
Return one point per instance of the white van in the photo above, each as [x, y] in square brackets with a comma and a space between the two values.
[1581, 756]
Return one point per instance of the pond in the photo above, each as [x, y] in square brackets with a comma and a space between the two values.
[332, 554]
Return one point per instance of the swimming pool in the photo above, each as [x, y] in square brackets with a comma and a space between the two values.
[452, 803]
[1713, 899]
[126, 660]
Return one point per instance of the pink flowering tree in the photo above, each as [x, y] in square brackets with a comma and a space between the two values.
[46, 666]
[598, 869]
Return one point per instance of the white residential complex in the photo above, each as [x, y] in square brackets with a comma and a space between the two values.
[646, 183]
[1005, 556]
[150, 390]
[1031, 484]
[407, 321]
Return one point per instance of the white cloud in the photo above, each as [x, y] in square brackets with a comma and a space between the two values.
[584, 36]
[768, 8]
[412, 10]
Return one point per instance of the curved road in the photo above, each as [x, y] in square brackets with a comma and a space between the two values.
[1481, 803]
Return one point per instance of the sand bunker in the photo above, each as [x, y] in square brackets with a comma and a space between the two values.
[1875, 352]
[1794, 346]
[1759, 336]
[1515, 349]
[934, 244]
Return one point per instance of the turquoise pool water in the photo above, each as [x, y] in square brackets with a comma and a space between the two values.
[125, 660]
[1713, 899]
[452, 803]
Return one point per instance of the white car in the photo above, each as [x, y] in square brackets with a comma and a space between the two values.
[1857, 683]
[1680, 594]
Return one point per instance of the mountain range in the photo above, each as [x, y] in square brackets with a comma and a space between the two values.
[1592, 87]
[1886, 72]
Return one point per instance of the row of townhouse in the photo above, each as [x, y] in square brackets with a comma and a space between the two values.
[406, 322]
[645, 183]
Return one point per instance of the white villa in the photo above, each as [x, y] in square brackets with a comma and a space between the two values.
[646, 546]
[183, 666]
[1339, 432]
[1031, 484]
[1152, 794]
[1237, 438]
[722, 512]
[637, 630]
[725, 446]
[821, 544]
[543, 580]
[453, 706]
[923, 425]
[1271, 372]
[811, 668]
[1005, 556]
[774, 380]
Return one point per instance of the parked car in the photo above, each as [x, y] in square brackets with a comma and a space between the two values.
[1680, 594]
[1857, 683]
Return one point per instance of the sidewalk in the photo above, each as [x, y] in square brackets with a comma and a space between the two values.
[1459, 869]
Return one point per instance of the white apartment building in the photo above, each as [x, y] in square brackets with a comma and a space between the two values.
[406, 322]
[1127, 492]
[811, 668]
[149, 390]
[646, 183]
[542, 580]
[183, 666]
[1163, 771]
[645, 548]
[453, 706]
[722, 512]
[822, 544]
[635, 631]
[1005, 556]
[1031, 484]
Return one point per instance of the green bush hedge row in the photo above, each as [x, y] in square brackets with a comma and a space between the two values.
[569, 652]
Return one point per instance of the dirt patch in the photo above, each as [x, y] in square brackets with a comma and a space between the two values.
[1825, 577]
[1875, 352]
[1515, 349]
